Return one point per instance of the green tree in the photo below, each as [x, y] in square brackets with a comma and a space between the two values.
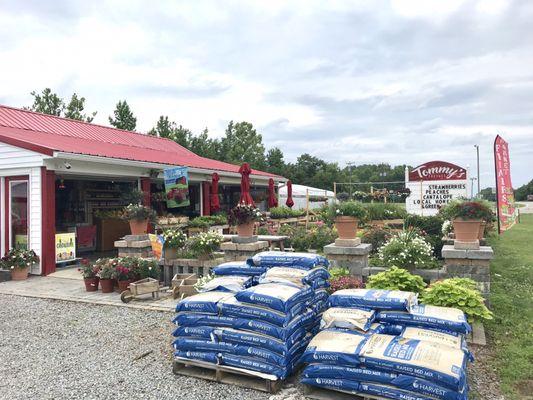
[75, 107]
[205, 146]
[522, 192]
[242, 143]
[47, 102]
[170, 130]
[274, 161]
[124, 118]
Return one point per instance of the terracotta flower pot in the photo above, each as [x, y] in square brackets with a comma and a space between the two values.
[139, 227]
[170, 253]
[346, 227]
[19, 274]
[91, 284]
[123, 285]
[107, 285]
[466, 230]
[482, 230]
[246, 230]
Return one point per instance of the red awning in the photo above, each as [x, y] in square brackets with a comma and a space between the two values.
[272, 199]
[289, 201]
[246, 197]
[215, 202]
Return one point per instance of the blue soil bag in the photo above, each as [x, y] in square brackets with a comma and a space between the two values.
[321, 295]
[288, 259]
[334, 347]
[202, 302]
[209, 357]
[261, 341]
[238, 268]
[184, 344]
[315, 277]
[231, 307]
[196, 320]
[403, 382]
[441, 365]
[198, 332]
[275, 296]
[227, 283]
[253, 364]
[373, 299]
[450, 319]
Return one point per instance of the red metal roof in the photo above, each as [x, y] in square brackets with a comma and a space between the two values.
[47, 133]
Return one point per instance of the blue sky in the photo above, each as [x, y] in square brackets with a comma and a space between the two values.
[380, 81]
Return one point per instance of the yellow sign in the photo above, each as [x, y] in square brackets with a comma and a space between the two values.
[157, 245]
[65, 247]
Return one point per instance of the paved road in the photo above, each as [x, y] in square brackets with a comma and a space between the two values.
[528, 207]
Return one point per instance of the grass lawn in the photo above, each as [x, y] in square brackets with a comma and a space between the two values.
[511, 331]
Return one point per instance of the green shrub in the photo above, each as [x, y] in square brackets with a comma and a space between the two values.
[321, 236]
[285, 212]
[286, 230]
[430, 228]
[457, 293]
[396, 279]
[384, 211]
[348, 209]
[408, 250]
[377, 237]
[206, 221]
[338, 272]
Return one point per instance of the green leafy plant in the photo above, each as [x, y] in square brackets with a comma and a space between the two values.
[19, 259]
[457, 293]
[147, 269]
[137, 212]
[429, 227]
[468, 210]
[300, 240]
[384, 211]
[396, 279]
[377, 237]
[206, 221]
[338, 272]
[349, 209]
[285, 212]
[174, 238]
[408, 250]
[243, 214]
[205, 243]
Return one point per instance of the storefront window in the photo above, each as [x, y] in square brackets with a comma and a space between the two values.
[18, 202]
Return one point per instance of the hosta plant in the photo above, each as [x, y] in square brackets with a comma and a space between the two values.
[457, 293]
[396, 279]
[407, 250]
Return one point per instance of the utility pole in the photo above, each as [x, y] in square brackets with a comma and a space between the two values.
[478, 182]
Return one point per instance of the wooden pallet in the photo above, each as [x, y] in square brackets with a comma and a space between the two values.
[224, 374]
[317, 393]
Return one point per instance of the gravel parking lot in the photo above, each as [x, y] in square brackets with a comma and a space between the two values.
[63, 350]
[53, 349]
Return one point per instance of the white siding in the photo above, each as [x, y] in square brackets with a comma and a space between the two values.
[15, 157]
[35, 196]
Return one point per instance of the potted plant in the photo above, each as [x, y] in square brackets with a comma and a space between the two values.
[347, 216]
[138, 217]
[175, 239]
[466, 219]
[488, 218]
[124, 276]
[19, 261]
[244, 217]
[90, 275]
[106, 275]
[205, 244]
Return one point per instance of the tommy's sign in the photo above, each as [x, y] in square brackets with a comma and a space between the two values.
[437, 171]
[433, 185]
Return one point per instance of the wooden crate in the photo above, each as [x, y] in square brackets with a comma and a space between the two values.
[183, 285]
[144, 286]
[227, 375]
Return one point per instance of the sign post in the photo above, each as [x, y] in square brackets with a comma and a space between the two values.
[433, 185]
[505, 205]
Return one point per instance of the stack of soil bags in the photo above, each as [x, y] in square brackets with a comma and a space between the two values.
[382, 343]
[258, 318]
